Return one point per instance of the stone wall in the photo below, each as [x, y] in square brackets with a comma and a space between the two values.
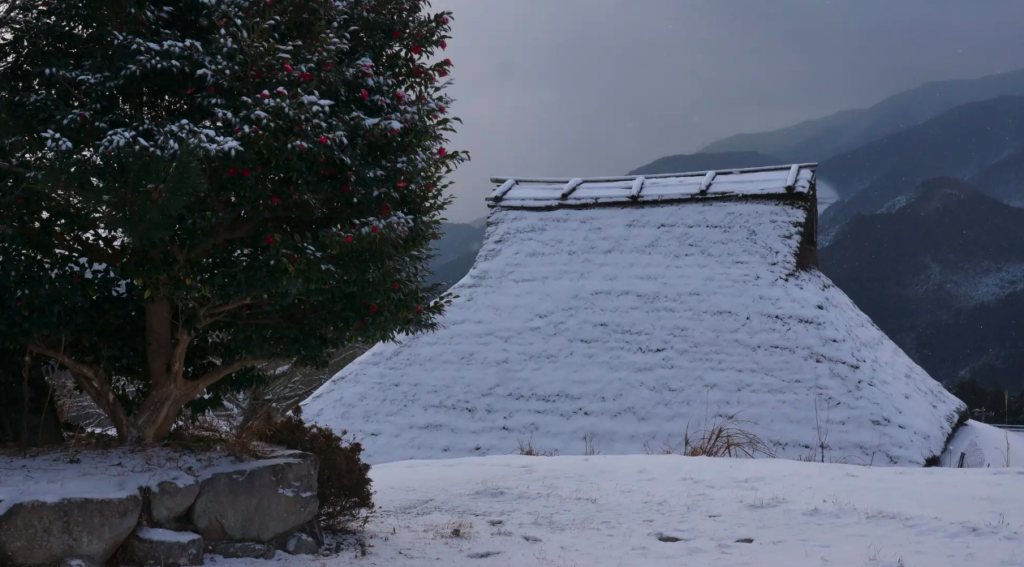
[251, 509]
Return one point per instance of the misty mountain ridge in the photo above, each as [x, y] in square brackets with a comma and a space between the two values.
[706, 161]
[942, 273]
[455, 251]
[822, 138]
[982, 142]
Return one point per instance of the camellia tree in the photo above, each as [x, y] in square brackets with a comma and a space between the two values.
[190, 189]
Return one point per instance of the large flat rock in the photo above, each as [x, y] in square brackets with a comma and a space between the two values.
[256, 501]
[45, 533]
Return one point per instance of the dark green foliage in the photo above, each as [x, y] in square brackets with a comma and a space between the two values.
[42, 424]
[343, 485]
[999, 406]
[186, 191]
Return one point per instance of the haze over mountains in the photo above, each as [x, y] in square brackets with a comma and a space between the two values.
[822, 138]
[925, 236]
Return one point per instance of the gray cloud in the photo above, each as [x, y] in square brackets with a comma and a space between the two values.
[598, 87]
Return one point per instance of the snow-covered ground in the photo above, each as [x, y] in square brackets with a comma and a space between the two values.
[610, 511]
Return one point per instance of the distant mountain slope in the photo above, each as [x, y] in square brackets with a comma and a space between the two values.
[457, 239]
[704, 161]
[943, 276]
[980, 141]
[455, 251]
[820, 139]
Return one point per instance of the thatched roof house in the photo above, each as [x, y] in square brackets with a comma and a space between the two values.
[622, 309]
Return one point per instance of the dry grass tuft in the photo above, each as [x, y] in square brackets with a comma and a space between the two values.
[725, 438]
[527, 449]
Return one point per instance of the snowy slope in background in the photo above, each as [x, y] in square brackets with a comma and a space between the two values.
[985, 446]
[626, 324]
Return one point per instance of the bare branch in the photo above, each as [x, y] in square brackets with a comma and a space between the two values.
[214, 376]
[209, 314]
[73, 365]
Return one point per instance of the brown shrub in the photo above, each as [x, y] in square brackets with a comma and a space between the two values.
[343, 485]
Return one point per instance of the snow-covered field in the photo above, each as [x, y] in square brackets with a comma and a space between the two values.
[610, 511]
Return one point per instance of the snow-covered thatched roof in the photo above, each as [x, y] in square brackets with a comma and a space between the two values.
[625, 310]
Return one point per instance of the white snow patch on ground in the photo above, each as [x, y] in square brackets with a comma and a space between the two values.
[985, 446]
[609, 511]
[159, 534]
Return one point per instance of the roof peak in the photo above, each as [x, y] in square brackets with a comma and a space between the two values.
[525, 192]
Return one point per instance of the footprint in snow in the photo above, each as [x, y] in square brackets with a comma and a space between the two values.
[483, 554]
[532, 539]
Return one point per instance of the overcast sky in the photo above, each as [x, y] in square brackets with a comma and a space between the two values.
[598, 87]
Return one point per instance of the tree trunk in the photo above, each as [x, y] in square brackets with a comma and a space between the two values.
[154, 419]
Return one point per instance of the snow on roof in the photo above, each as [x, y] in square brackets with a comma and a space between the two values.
[628, 323]
[753, 182]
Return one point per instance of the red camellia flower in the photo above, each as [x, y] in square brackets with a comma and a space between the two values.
[418, 308]
[190, 90]
[213, 89]
[270, 239]
[430, 187]
[328, 65]
[416, 50]
[396, 286]
[257, 75]
[344, 189]
[445, 19]
[232, 171]
[323, 140]
[442, 152]
[402, 185]
[373, 229]
[396, 34]
[348, 239]
[385, 209]
[443, 44]
[373, 308]
[238, 129]
[245, 173]
[265, 94]
[275, 200]
[440, 109]
[366, 95]
[361, 323]
[288, 68]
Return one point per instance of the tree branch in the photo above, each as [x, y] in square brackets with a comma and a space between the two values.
[62, 359]
[214, 376]
[209, 314]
